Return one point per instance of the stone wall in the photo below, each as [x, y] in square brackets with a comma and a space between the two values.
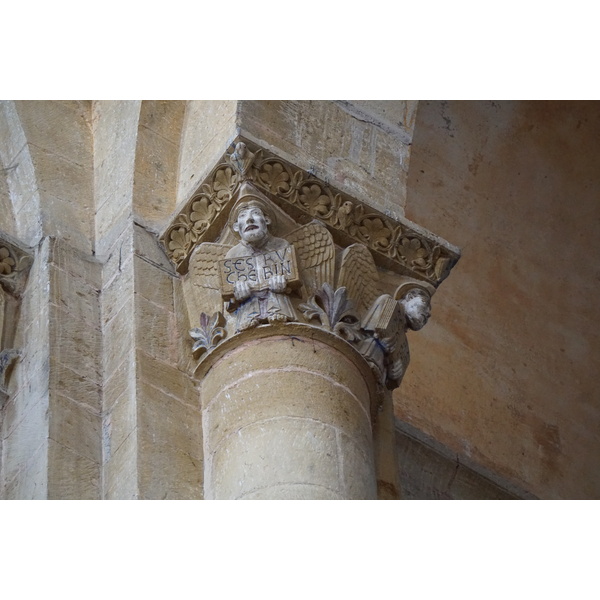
[102, 404]
[505, 372]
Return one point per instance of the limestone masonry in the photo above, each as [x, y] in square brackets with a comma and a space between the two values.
[267, 299]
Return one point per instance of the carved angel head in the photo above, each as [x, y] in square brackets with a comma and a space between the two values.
[417, 308]
[251, 220]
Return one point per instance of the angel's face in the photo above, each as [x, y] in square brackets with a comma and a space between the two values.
[252, 225]
[417, 307]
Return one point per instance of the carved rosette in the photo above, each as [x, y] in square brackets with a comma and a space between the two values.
[397, 245]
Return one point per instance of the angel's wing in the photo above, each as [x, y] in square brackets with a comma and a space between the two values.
[316, 255]
[359, 275]
[202, 285]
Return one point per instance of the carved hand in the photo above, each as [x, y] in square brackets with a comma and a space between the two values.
[241, 290]
[277, 284]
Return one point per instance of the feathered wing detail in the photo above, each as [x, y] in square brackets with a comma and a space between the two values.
[316, 255]
[202, 285]
[359, 275]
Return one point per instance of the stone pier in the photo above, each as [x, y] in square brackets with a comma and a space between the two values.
[288, 416]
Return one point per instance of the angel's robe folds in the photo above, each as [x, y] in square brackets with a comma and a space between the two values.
[265, 305]
[386, 346]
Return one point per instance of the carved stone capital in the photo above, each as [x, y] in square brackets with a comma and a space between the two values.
[397, 245]
[263, 243]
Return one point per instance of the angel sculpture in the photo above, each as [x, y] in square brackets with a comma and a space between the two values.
[253, 302]
[254, 279]
[385, 345]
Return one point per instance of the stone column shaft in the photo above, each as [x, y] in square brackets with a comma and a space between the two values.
[287, 417]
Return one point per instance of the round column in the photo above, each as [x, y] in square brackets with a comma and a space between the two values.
[287, 417]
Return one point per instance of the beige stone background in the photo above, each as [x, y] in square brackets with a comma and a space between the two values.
[507, 371]
[500, 399]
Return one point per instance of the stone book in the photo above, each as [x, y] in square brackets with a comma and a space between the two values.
[258, 269]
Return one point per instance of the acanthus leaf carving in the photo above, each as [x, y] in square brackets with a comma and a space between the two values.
[334, 310]
[209, 333]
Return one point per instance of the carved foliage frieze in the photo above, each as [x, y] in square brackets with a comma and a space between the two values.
[14, 266]
[397, 244]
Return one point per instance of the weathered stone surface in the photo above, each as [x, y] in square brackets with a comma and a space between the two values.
[117, 292]
[70, 209]
[155, 177]
[75, 295]
[163, 117]
[32, 482]
[119, 335]
[519, 393]
[76, 344]
[396, 114]
[153, 283]
[428, 471]
[59, 127]
[116, 255]
[21, 400]
[120, 471]
[24, 439]
[280, 451]
[118, 422]
[166, 420]
[76, 427]
[297, 491]
[167, 473]
[148, 248]
[115, 125]
[208, 126]
[156, 330]
[166, 378]
[74, 386]
[354, 155]
[273, 413]
[242, 403]
[21, 204]
[74, 262]
[285, 352]
[118, 382]
[70, 475]
[357, 468]
[384, 449]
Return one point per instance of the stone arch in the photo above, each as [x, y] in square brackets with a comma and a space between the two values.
[157, 161]
[19, 193]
